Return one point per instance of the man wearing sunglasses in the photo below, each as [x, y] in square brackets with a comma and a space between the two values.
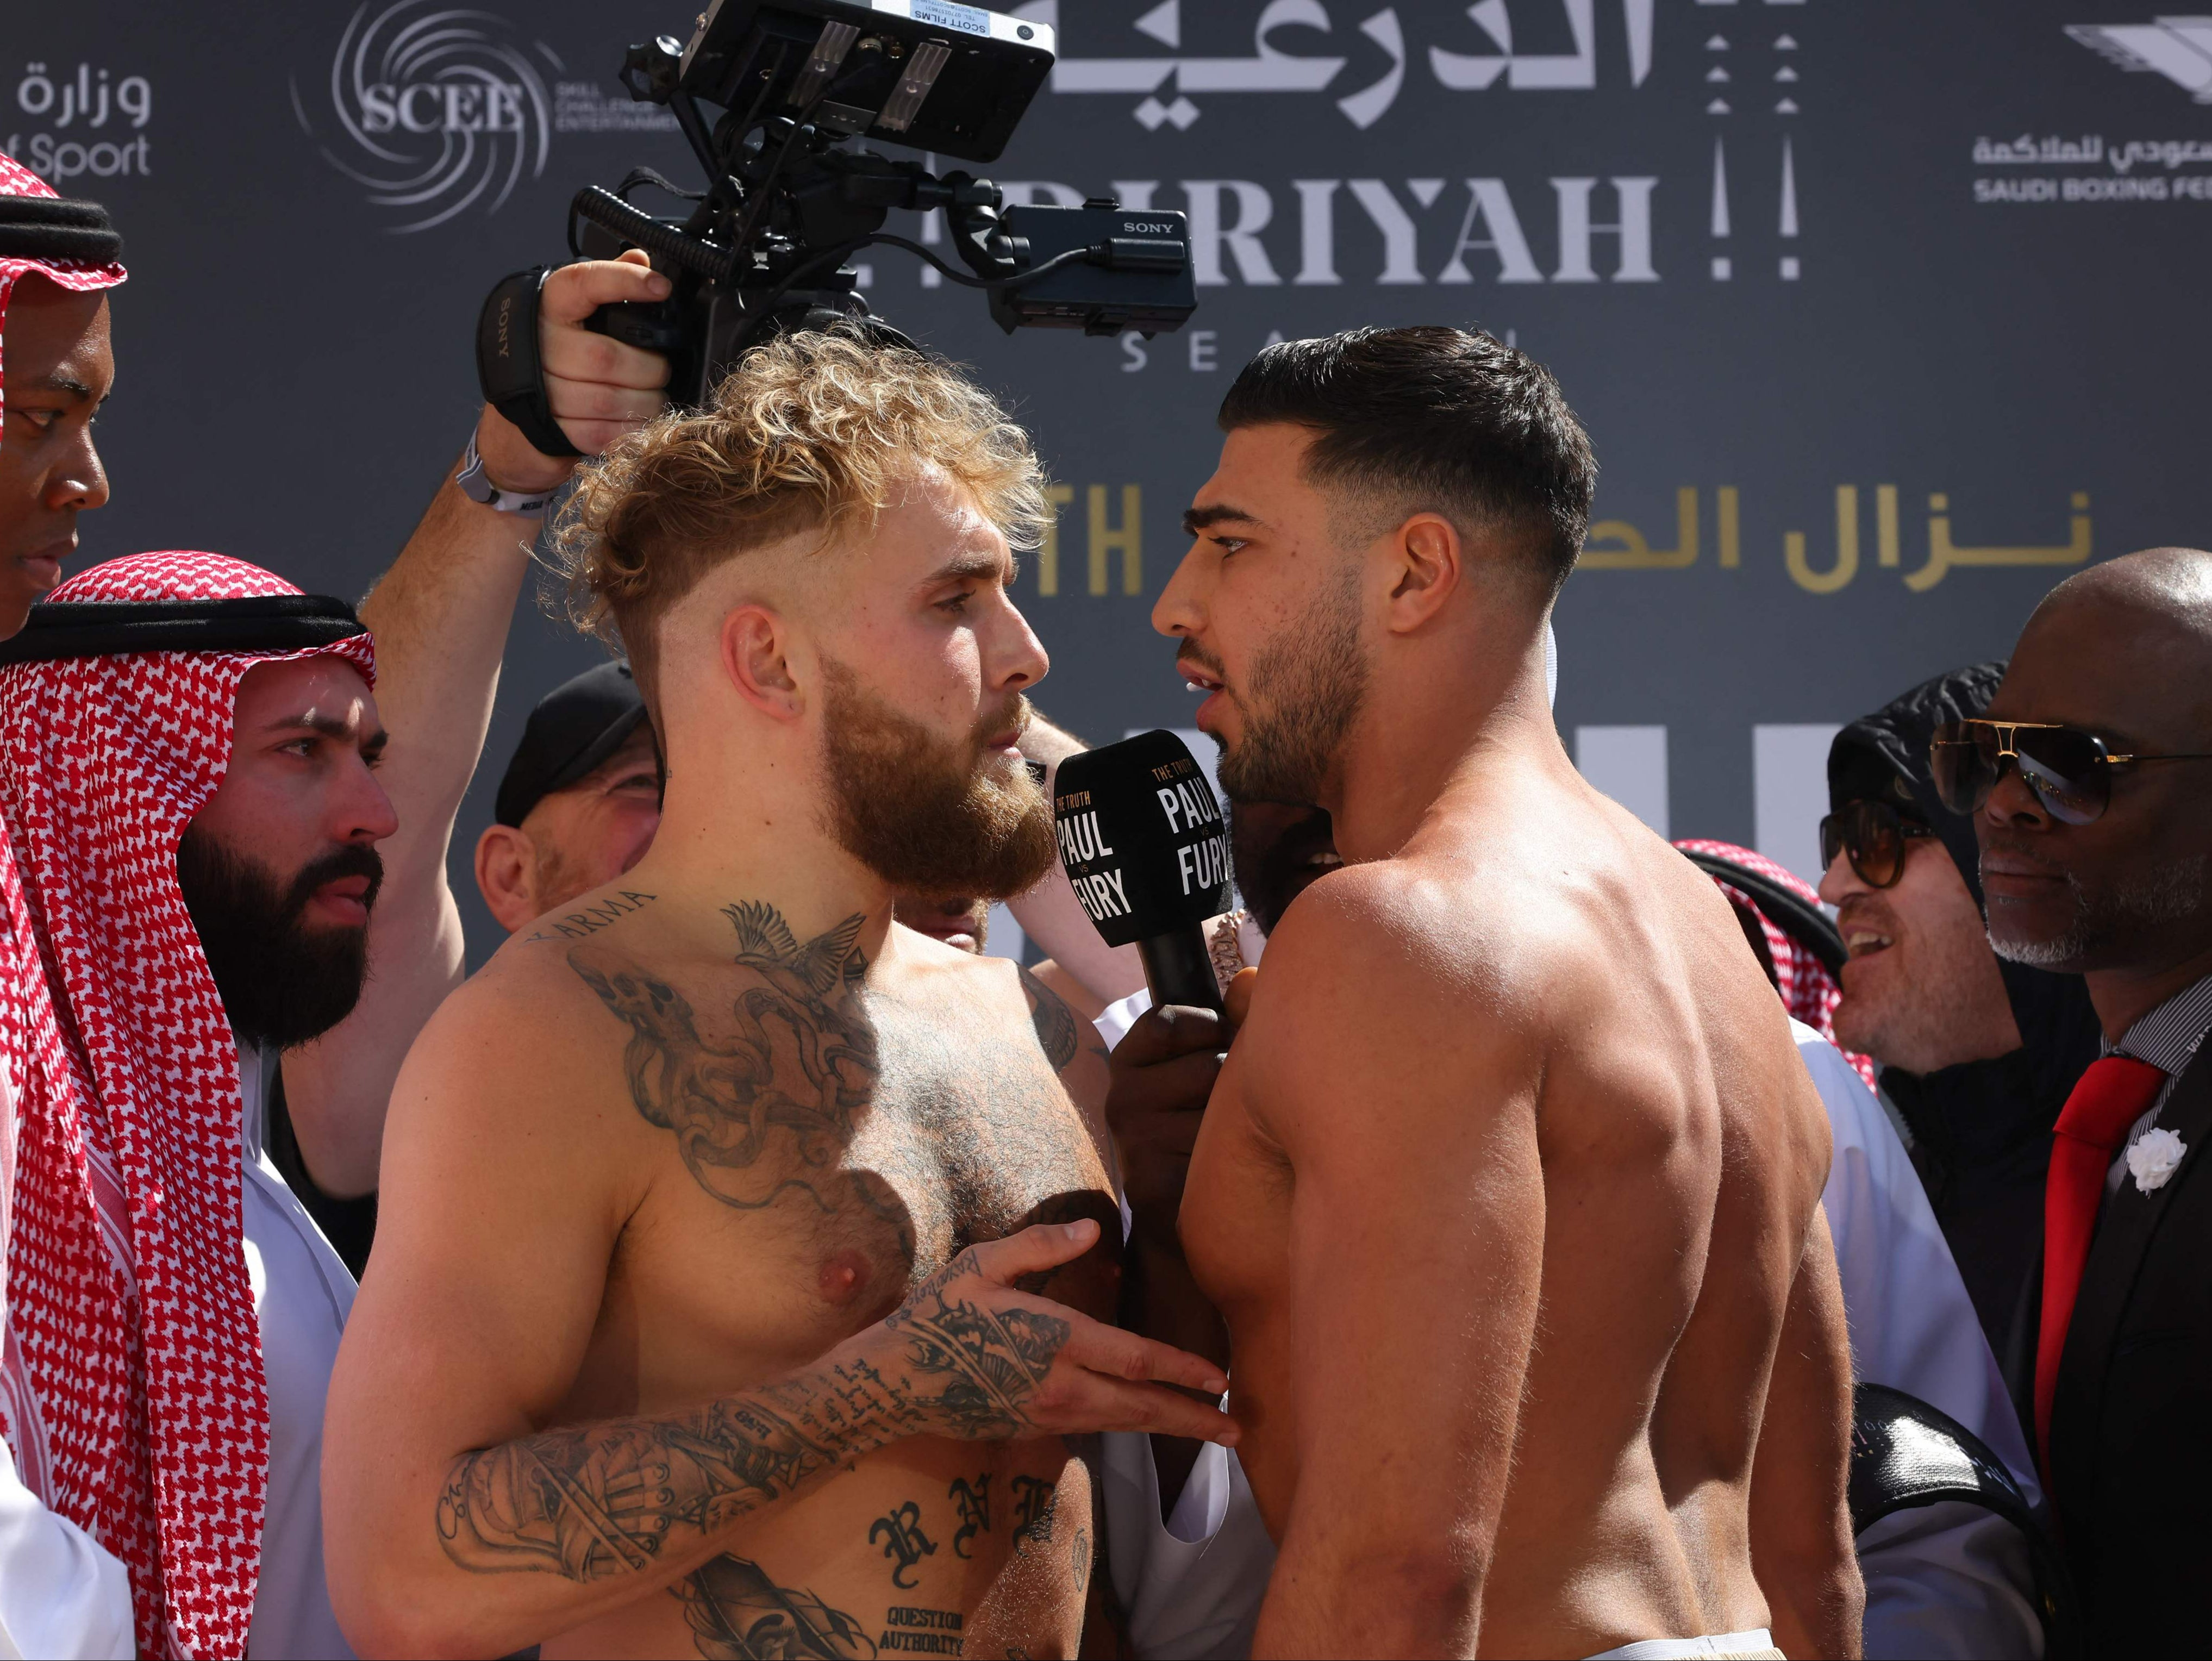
[1977, 1054]
[2089, 781]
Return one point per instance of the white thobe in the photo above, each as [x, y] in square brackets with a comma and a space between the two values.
[302, 1295]
[61, 1593]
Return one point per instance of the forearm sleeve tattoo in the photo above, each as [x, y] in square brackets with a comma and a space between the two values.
[616, 1498]
[612, 1497]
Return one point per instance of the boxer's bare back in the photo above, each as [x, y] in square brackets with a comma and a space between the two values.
[1504, 1192]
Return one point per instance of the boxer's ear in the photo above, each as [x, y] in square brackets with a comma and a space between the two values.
[755, 647]
[1427, 559]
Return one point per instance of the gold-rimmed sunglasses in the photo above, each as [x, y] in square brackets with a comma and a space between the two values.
[2069, 770]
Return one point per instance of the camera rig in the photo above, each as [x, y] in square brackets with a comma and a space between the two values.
[790, 199]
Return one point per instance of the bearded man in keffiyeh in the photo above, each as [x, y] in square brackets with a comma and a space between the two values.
[185, 747]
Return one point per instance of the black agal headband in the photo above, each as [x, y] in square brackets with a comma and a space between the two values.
[111, 628]
[55, 227]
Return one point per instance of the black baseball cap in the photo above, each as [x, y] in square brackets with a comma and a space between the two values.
[575, 727]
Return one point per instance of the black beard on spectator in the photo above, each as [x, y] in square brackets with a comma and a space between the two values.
[927, 815]
[282, 981]
[1271, 872]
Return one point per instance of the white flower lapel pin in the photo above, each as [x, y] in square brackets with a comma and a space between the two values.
[2156, 1155]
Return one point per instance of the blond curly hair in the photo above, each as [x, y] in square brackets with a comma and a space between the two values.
[811, 431]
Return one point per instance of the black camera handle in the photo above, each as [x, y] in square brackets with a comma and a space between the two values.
[507, 364]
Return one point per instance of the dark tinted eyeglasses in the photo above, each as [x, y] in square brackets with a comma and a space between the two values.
[2071, 771]
[1874, 835]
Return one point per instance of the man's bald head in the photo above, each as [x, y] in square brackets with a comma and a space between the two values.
[2123, 650]
[2142, 626]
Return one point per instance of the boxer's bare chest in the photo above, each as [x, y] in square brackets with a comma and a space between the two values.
[817, 1139]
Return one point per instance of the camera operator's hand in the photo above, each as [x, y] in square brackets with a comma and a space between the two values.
[1159, 1077]
[599, 388]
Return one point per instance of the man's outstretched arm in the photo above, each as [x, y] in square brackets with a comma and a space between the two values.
[1802, 1547]
[1395, 1091]
[440, 617]
[457, 1523]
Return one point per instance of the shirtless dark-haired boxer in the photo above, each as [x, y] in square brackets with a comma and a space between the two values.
[1509, 1188]
[741, 1277]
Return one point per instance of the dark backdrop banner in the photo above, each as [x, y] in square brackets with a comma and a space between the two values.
[1884, 316]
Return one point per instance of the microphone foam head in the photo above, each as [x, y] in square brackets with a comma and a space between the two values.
[1141, 837]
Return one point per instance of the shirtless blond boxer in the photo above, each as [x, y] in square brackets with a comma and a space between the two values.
[1509, 1187]
[703, 1319]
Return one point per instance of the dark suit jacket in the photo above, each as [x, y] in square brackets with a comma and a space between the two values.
[2131, 1426]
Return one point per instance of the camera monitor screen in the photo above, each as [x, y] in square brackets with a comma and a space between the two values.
[931, 74]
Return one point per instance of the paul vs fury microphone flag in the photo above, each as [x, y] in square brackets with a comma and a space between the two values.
[1146, 850]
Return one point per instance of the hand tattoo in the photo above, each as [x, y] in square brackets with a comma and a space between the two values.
[991, 1361]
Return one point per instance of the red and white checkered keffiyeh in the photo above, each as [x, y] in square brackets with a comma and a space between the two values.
[1809, 991]
[131, 1382]
[16, 179]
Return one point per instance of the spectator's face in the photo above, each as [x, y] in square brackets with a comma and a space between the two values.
[1922, 989]
[573, 840]
[58, 366]
[922, 662]
[2128, 890]
[279, 869]
[1267, 608]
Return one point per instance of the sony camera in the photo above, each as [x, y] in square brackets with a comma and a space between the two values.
[790, 196]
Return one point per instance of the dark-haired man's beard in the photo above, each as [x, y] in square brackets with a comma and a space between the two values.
[928, 816]
[282, 980]
[1304, 692]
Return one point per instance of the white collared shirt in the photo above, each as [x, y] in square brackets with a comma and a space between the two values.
[2169, 1039]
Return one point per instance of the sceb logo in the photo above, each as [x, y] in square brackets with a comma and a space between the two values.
[435, 111]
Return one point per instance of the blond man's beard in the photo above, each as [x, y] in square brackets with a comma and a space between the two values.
[927, 815]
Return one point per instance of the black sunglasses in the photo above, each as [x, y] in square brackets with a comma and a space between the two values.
[2069, 770]
[1874, 835]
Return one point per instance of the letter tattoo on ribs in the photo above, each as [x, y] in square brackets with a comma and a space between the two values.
[768, 1110]
[903, 1542]
[1035, 1500]
[973, 1502]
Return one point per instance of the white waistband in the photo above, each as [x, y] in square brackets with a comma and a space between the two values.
[1753, 1642]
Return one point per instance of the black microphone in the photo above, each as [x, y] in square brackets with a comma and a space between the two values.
[1143, 843]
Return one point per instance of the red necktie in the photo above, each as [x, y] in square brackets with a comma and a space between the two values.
[2108, 1098]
